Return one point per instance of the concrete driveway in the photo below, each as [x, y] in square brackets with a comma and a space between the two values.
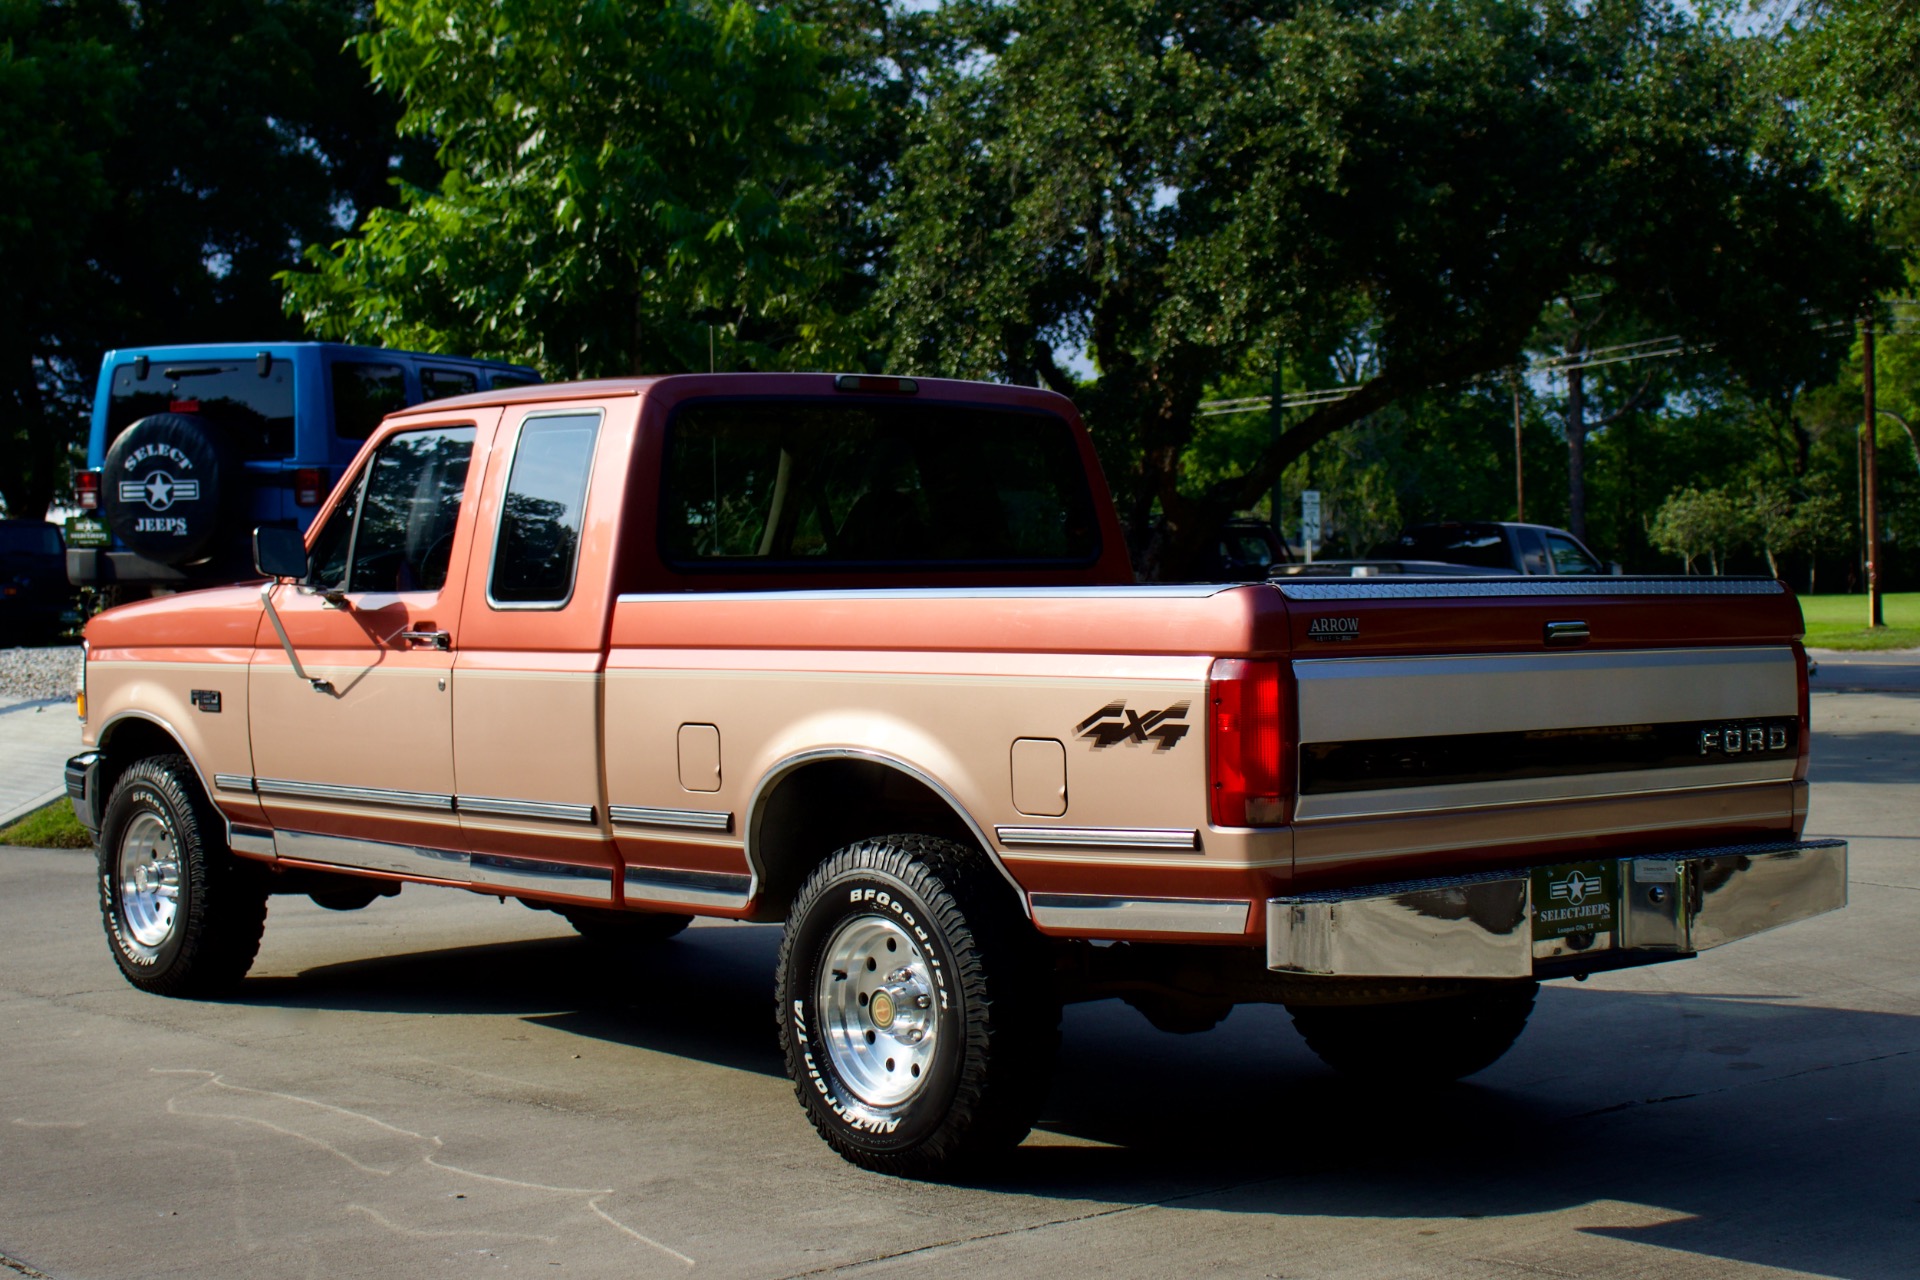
[442, 1085]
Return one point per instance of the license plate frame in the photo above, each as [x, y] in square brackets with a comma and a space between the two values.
[1571, 899]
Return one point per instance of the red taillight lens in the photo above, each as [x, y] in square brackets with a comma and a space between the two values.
[86, 489]
[1246, 751]
[309, 486]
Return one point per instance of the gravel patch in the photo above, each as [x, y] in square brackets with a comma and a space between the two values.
[31, 674]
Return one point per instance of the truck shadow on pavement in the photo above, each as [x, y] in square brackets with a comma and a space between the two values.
[1745, 1127]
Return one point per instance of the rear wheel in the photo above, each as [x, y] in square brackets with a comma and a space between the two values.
[182, 914]
[1428, 1041]
[916, 1007]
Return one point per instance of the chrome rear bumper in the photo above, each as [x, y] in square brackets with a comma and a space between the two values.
[1663, 907]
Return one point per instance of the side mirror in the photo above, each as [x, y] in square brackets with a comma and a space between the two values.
[279, 552]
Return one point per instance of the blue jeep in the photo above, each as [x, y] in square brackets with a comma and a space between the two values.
[193, 446]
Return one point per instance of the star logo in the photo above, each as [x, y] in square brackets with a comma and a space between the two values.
[159, 490]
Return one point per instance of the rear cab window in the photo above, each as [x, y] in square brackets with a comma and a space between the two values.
[799, 485]
[249, 402]
[536, 552]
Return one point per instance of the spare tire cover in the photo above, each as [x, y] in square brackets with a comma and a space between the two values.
[167, 484]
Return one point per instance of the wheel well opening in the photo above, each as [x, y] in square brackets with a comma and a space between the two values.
[128, 741]
[828, 805]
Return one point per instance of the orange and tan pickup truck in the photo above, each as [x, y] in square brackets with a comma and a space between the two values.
[864, 655]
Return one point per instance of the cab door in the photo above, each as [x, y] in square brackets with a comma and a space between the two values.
[356, 767]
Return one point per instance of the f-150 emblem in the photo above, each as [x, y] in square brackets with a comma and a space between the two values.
[1114, 724]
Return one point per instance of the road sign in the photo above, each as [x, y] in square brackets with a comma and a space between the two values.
[1310, 519]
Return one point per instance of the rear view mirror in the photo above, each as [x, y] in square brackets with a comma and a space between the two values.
[280, 552]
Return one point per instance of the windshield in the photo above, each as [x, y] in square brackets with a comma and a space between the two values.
[255, 413]
[30, 539]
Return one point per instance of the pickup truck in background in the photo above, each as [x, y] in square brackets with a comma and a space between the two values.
[193, 446]
[1457, 549]
[863, 655]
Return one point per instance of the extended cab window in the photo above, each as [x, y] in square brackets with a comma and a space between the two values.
[825, 483]
[393, 531]
[538, 545]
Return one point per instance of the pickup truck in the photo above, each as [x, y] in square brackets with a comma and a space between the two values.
[863, 655]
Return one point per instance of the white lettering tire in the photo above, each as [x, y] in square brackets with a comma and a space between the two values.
[916, 1007]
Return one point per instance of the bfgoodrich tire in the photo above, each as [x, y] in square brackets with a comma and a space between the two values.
[1430, 1041]
[916, 1007]
[183, 916]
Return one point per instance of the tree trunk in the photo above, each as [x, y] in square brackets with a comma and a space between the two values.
[1577, 453]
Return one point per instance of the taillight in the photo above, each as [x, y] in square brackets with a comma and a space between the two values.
[1246, 743]
[309, 486]
[86, 489]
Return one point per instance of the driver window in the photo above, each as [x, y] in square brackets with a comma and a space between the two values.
[394, 530]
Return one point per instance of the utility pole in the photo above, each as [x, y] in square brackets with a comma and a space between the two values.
[1519, 478]
[1869, 486]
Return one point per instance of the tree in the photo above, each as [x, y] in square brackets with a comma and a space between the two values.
[164, 162]
[1693, 523]
[622, 186]
[1191, 190]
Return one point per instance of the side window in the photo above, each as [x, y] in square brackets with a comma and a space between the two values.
[438, 384]
[1569, 556]
[538, 545]
[1533, 551]
[363, 394]
[394, 530]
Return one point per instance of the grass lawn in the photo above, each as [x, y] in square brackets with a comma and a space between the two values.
[1839, 622]
[53, 827]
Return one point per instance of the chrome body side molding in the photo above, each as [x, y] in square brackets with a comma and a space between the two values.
[689, 888]
[233, 782]
[633, 815]
[495, 807]
[373, 855]
[257, 841]
[353, 795]
[1098, 837]
[538, 875]
[1140, 915]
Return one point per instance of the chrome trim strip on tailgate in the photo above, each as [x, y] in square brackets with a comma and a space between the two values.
[633, 815]
[1140, 915]
[1097, 837]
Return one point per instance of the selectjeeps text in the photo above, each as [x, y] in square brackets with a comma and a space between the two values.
[864, 655]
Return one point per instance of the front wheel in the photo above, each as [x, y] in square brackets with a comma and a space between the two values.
[916, 1007]
[1415, 1042]
[183, 916]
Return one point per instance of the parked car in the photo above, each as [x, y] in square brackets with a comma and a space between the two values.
[1247, 551]
[193, 446]
[36, 601]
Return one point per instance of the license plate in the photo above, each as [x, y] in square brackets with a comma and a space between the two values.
[1576, 898]
[86, 531]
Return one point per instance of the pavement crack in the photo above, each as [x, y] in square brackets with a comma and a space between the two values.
[1881, 884]
[21, 1268]
[1631, 1104]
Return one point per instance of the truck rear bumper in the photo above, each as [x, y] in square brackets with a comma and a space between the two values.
[1528, 923]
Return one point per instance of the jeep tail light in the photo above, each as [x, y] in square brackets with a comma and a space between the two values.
[86, 489]
[309, 486]
[1246, 752]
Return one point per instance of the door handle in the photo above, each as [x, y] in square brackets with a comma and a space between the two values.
[438, 639]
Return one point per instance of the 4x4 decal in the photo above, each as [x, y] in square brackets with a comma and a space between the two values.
[1114, 724]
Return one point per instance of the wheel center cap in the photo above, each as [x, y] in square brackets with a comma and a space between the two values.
[881, 1009]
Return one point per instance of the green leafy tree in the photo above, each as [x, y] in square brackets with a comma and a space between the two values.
[164, 162]
[1191, 192]
[1694, 523]
[625, 188]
